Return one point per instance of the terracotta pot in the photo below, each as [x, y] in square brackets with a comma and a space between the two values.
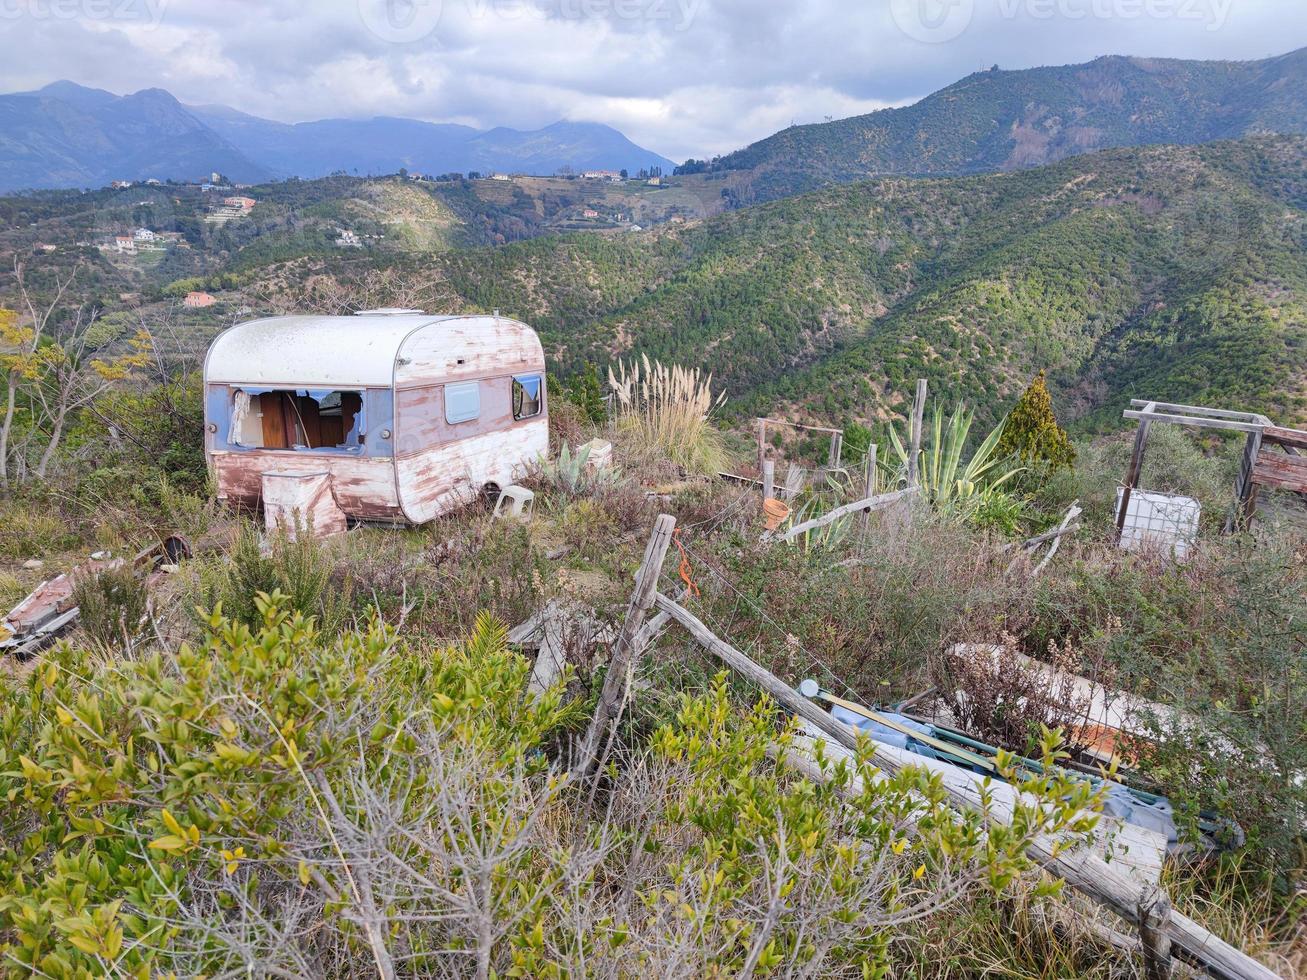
[775, 511]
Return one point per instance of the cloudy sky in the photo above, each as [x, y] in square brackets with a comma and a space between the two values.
[682, 77]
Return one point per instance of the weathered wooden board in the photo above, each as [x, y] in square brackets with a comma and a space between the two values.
[1281, 472]
[1296, 438]
[1137, 851]
[301, 501]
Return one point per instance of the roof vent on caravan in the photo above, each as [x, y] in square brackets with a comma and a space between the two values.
[387, 311]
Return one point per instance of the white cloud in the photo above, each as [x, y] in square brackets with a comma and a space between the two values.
[683, 77]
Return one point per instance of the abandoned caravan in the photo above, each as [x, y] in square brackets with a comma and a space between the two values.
[387, 415]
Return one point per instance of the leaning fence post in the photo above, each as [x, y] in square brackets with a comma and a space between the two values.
[625, 650]
[918, 420]
[768, 480]
[1132, 474]
[869, 481]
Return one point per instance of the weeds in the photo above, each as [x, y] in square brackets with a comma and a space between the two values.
[111, 604]
[298, 568]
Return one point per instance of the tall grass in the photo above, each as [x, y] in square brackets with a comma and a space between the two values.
[668, 410]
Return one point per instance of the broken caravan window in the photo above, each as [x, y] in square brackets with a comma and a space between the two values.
[526, 396]
[297, 419]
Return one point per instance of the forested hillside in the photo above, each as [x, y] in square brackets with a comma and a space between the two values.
[1173, 272]
[1002, 120]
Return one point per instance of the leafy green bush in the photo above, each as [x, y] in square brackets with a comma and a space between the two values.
[285, 801]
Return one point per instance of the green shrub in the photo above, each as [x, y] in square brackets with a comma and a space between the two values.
[111, 603]
[1031, 432]
[283, 801]
[297, 567]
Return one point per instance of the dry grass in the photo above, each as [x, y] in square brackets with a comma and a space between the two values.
[667, 410]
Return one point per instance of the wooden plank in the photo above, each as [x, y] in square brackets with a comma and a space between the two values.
[1216, 413]
[626, 649]
[1072, 513]
[1245, 493]
[1084, 871]
[1280, 471]
[918, 420]
[1192, 421]
[866, 506]
[272, 408]
[1295, 438]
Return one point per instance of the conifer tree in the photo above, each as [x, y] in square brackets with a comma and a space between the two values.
[1032, 433]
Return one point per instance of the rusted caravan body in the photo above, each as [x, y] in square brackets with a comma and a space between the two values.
[404, 415]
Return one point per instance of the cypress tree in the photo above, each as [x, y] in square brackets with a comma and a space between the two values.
[1032, 433]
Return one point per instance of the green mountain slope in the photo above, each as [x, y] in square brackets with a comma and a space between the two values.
[1004, 120]
[1176, 272]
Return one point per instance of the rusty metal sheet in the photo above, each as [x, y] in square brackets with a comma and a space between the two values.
[434, 482]
[364, 487]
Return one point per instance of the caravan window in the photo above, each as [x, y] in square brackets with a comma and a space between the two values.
[300, 418]
[526, 396]
[462, 402]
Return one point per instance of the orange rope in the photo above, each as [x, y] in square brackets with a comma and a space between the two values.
[684, 569]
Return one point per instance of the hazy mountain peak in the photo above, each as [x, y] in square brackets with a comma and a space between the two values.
[153, 135]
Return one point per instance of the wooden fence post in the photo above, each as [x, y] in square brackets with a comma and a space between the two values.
[1154, 919]
[1132, 475]
[768, 480]
[918, 420]
[762, 442]
[1245, 491]
[836, 452]
[626, 648]
[869, 481]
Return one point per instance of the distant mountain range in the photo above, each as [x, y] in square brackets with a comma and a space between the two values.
[1006, 120]
[67, 135]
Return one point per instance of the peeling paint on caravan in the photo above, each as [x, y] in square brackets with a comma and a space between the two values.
[408, 414]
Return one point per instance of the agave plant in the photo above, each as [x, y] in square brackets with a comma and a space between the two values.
[571, 474]
[945, 480]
